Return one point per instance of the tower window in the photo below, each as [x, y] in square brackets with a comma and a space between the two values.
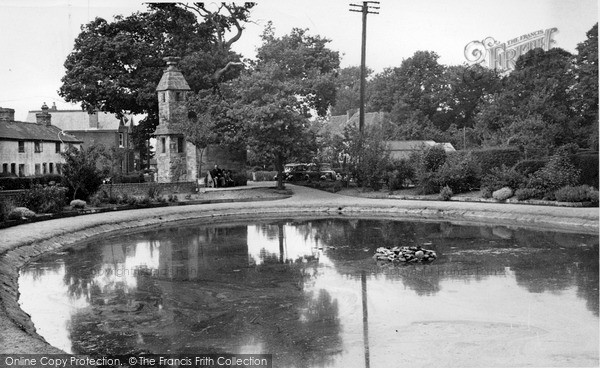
[163, 145]
[180, 144]
[121, 140]
[21, 146]
[37, 146]
[57, 147]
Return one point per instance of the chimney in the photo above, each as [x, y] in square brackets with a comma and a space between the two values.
[7, 114]
[43, 118]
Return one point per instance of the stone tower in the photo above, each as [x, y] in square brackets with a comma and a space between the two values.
[175, 158]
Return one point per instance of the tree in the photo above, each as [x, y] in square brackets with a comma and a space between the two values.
[587, 86]
[347, 85]
[115, 66]
[84, 170]
[291, 79]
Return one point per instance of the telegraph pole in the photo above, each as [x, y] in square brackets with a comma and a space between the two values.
[365, 9]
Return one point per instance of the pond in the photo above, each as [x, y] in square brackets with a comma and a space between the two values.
[310, 293]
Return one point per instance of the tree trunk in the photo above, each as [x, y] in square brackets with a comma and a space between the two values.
[279, 167]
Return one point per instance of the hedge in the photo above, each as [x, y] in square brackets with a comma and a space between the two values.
[492, 157]
[527, 167]
[587, 163]
[28, 182]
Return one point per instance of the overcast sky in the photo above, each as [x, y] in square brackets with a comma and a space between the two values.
[37, 35]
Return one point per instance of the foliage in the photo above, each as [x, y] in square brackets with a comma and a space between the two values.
[586, 88]
[347, 84]
[399, 172]
[19, 213]
[154, 191]
[84, 170]
[500, 177]
[292, 77]
[502, 194]
[368, 155]
[240, 179]
[16, 183]
[523, 194]
[558, 172]
[434, 158]
[261, 175]
[581, 193]
[493, 157]
[527, 167]
[44, 199]
[77, 203]
[446, 193]
[115, 66]
[588, 164]
[7, 204]
[459, 172]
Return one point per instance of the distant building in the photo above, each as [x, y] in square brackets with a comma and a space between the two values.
[97, 128]
[403, 149]
[398, 149]
[32, 148]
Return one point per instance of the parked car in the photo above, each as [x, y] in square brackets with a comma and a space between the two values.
[301, 171]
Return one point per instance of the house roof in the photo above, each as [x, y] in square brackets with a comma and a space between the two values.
[74, 120]
[18, 130]
[337, 123]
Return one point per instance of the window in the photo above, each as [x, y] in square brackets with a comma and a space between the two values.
[163, 145]
[58, 168]
[21, 146]
[21, 169]
[57, 147]
[37, 169]
[51, 168]
[180, 144]
[162, 96]
[4, 168]
[44, 169]
[13, 168]
[178, 96]
[37, 146]
[121, 140]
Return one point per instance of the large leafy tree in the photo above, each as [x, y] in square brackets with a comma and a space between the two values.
[115, 66]
[291, 80]
[538, 93]
[587, 86]
[348, 90]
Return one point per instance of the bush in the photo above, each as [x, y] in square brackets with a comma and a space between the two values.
[434, 158]
[500, 177]
[446, 193]
[587, 163]
[502, 194]
[557, 173]
[78, 203]
[19, 213]
[44, 199]
[581, 193]
[261, 175]
[460, 172]
[16, 183]
[490, 158]
[130, 178]
[398, 173]
[523, 194]
[6, 205]
[154, 191]
[528, 167]
[240, 179]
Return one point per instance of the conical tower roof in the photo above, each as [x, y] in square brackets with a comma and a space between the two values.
[172, 79]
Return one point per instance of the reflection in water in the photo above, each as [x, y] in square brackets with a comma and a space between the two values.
[310, 294]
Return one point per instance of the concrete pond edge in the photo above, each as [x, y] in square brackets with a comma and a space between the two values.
[19, 335]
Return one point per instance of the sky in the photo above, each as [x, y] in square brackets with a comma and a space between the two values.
[37, 35]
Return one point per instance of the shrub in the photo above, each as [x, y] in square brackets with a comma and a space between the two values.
[173, 198]
[523, 194]
[446, 193]
[77, 203]
[428, 183]
[44, 199]
[240, 179]
[486, 192]
[587, 163]
[6, 205]
[502, 194]
[398, 173]
[129, 178]
[434, 158]
[261, 175]
[527, 167]
[154, 190]
[557, 173]
[492, 157]
[16, 183]
[581, 193]
[500, 177]
[460, 172]
[19, 213]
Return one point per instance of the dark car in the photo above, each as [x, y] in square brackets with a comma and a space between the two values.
[303, 172]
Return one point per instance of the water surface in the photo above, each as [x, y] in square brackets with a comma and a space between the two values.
[310, 293]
